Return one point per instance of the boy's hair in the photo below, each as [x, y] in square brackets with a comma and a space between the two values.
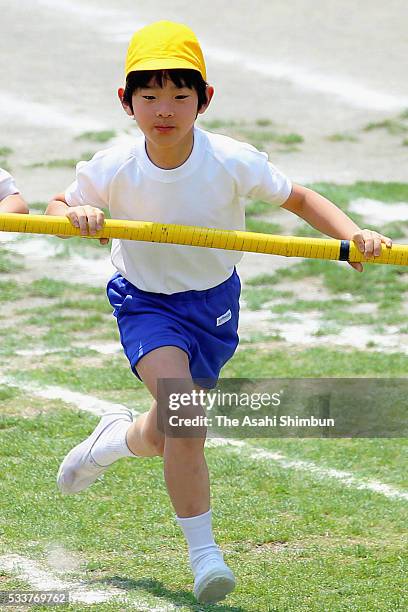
[180, 77]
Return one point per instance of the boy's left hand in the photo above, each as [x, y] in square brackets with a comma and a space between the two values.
[368, 242]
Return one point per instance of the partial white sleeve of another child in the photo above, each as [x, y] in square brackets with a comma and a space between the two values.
[90, 186]
[7, 185]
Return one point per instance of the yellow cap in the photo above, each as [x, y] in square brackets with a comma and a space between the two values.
[164, 45]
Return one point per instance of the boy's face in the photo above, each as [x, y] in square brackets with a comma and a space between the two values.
[155, 107]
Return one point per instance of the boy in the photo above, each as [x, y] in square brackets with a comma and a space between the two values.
[10, 199]
[177, 306]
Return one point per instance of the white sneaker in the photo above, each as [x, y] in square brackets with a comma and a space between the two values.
[79, 469]
[213, 580]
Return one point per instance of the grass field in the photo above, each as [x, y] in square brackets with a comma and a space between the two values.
[305, 524]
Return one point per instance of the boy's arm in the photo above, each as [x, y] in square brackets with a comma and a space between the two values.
[14, 204]
[326, 217]
[59, 208]
[87, 218]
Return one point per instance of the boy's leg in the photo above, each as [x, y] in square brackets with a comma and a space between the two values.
[143, 438]
[185, 468]
[90, 458]
[109, 442]
[187, 480]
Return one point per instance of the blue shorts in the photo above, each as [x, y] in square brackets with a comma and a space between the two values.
[204, 324]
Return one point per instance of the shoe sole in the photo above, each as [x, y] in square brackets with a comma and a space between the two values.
[81, 453]
[216, 587]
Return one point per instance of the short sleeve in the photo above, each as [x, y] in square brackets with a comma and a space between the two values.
[274, 187]
[259, 179]
[91, 184]
[7, 185]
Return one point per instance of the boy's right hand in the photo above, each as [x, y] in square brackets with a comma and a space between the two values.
[89, 220]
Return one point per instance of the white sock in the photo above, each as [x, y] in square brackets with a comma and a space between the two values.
[112, 445]
[200, 539]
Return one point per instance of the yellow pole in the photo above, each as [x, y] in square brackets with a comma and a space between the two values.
[288, 246]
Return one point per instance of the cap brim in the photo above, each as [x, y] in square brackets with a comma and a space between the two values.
[162, 64]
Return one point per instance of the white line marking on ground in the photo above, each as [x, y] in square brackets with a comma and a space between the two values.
[377, 212]
[108, 348]
[39, 352]
[40, 247]
[41, 252]
[98, 407]
[61, 560]
[39, 578]
[43, 115]
[345, 89]
[88, 403]
[347, 478]
[80, 400]
[8, 236]
[85, 12]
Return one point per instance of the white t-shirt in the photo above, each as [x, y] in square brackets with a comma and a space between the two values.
[208, 190]
[7, 185]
